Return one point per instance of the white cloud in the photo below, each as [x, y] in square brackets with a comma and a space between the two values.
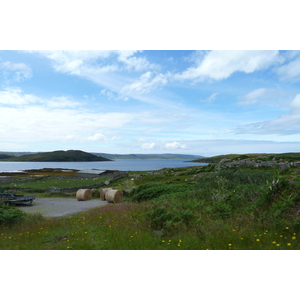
[273, 97]
[290, 71]
[219, 64]
[146, 83]
[21, 71]
[253, 97]
[73, 61]
[174, 146]
[295, 104]
[112, 70]
[99, 137]
[61, 102]
[116, 138]
[26, 117]
[108, 94]
[286, 124]
[136, 63]
[211, 98]
[15, 96]
[148, 146]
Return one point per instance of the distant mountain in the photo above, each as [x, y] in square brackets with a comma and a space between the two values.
[148, 156]
[70, 155]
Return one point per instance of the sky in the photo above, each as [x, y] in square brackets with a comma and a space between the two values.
[206, 103]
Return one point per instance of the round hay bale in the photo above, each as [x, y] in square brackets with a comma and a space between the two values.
[103, 192]
[114, 196]
[84, 194]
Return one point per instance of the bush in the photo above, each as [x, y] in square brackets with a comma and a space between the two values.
[150, 191]
[169, 217]
[9, 215]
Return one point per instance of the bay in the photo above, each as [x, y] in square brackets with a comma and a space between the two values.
[120, 165]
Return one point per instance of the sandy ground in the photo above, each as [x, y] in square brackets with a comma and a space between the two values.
[60, 207]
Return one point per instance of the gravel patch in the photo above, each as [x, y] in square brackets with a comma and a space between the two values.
[60, 207]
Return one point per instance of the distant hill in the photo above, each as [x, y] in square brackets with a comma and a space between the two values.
[70, 155]
[148, 156]
[4, 156]
[295, 156]
[16, 153]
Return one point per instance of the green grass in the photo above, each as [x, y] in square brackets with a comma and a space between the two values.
[234, 209]
[46, 183]
[286, 156]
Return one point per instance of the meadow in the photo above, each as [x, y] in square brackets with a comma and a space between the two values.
[192, 208]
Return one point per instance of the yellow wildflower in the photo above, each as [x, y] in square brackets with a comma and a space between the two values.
[293, 237]
[257, 240]
[289, 244]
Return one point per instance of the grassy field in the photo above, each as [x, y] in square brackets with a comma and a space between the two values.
[198, 208]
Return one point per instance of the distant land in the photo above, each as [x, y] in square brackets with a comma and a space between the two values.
[148, 156]
[12, 156]
[69, 155]
[290, 156]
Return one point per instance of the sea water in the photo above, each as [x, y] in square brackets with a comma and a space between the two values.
[119, 164]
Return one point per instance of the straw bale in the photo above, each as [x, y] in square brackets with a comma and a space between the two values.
[103, 192]
[114, 196]
[84, 194]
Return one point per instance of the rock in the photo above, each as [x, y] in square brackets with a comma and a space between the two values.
[158, 232]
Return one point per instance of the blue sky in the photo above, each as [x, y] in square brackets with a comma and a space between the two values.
[158, 101]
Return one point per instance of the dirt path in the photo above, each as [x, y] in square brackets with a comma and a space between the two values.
[60, 207]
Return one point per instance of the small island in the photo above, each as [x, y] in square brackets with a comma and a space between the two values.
[55, 156]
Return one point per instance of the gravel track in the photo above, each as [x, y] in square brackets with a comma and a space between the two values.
[60, 207]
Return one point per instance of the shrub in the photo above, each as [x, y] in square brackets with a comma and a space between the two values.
[153, 191]
[10, 214]
[169, 217]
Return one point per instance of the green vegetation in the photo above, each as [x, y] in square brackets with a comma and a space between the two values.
[184, 208]
[5, 156]
[262, 156]
[43, 183]
[10, 215]
[70, 155]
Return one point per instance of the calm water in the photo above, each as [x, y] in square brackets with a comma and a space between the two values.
[120, 164]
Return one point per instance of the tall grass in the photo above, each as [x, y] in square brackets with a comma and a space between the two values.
[229, 209]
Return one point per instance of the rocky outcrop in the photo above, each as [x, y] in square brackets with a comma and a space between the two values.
[227, 163]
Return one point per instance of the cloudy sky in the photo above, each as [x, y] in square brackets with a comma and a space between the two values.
[195, 102]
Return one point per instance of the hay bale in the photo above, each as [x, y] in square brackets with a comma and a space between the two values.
[84, 194]
[114, 196]
[103, 192]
